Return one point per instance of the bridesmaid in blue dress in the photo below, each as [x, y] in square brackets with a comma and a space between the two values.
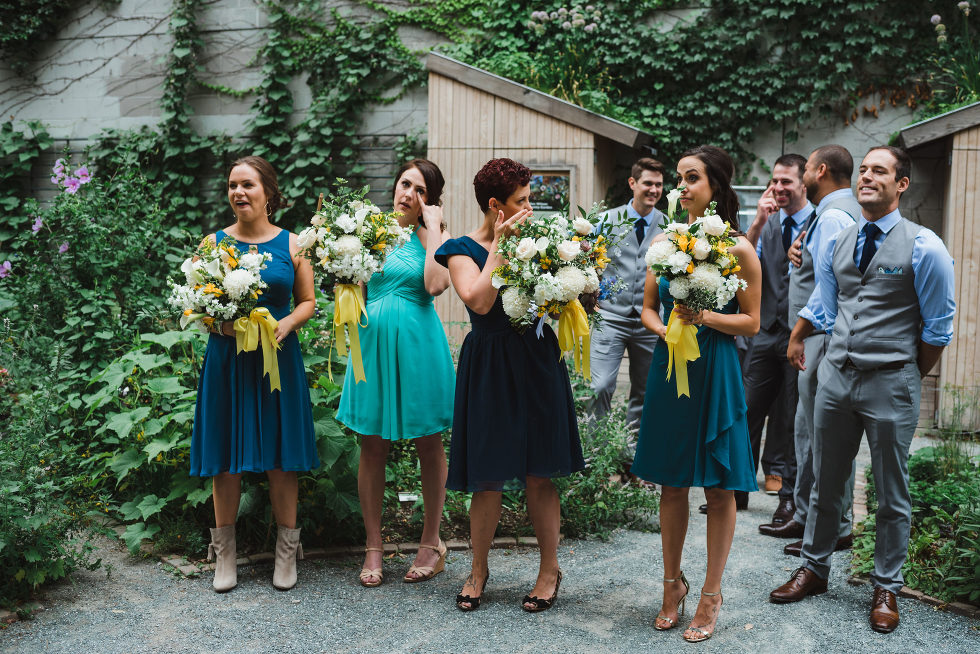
[408, 391]
[701, 440]
[240, 425]
[514, 422]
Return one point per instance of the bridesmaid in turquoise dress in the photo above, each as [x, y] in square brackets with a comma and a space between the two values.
[408, 392]
[701, 440]
[240, 424]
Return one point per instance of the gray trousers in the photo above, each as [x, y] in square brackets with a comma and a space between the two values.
[884, 404]
[770, 389]
[615, 336]
[814, 347]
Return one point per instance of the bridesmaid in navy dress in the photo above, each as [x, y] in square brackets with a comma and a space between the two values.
[240, 425]
[514, 422]
[701, 440]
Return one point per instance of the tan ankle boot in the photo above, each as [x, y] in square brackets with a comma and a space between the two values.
[223, 552]
[288, 549]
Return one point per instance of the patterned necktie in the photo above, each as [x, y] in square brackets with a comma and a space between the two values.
[871, 231]
[787, 232]
[641, 230]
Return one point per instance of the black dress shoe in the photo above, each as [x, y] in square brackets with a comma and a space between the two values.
[703, 509]
[741, 502]
[784, 512]
[843, 543]
[791, 529]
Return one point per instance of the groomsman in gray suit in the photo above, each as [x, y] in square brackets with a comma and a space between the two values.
[827, 178]
[621, 329]
[886, 286]
[770, 382]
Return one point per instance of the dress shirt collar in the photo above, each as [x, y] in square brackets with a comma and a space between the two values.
[635, 215]
[799, 217]
[834, 195]
[885, 223]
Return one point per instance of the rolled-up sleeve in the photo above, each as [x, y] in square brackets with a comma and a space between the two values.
[935, 286]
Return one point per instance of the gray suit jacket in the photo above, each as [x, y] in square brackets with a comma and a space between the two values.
[628, 262]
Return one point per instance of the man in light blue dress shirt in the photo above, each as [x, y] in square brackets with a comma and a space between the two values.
[887, 293]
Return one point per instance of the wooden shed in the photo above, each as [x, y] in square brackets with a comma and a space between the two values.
[945, 151]
[575, 155]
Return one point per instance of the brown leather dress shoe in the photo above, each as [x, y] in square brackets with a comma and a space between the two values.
[803, 582]
[791, 529]
[784, 512]
[843, 543]
[884, 611]
[773, 484]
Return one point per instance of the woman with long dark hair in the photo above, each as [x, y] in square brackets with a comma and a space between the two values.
[241, 424]
[408, 392]
[701, 440]
[514, 422]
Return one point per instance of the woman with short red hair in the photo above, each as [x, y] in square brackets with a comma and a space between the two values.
[514, 422]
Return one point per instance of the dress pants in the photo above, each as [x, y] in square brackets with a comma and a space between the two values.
[815, 347]
[614, 336]
[770, 389]
[884, 404]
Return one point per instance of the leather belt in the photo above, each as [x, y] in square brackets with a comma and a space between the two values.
[893, 365]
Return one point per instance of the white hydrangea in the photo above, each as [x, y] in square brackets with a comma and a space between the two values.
[346, 223]
[591, 280]
[568, 250]
[713, 224]
[515, 303]
[238, 282]
[659, 252]
[582, 226]
[347, 246]
[701, 249]
[680, 288]
[571, 282]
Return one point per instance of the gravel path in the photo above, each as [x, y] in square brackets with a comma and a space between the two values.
[607, 603]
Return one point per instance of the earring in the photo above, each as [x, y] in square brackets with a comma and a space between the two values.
[268, 211]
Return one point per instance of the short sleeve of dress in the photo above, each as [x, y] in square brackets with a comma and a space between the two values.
[449, 248]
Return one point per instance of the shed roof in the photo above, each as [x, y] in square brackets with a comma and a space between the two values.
[538, 101]
[937, 127]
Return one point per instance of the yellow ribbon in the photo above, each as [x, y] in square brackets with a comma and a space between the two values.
[682, 346]
[347, 309]
[260, 327]
[573, 334]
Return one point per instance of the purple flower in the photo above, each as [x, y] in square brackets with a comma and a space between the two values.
[590, 27]
[55, 180]
[59, 167]
[38, 224]
[72, 184]
[5, 269]
[63, 248]
[84, 176]
[936, 19]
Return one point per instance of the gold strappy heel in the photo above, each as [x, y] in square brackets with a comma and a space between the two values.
[367, 573]
[681, 605]
[428, 571]
[703, 634]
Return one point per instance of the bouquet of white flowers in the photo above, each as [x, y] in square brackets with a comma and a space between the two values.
[551, 261]
[695, 260]
[347, 242]
[223, 283]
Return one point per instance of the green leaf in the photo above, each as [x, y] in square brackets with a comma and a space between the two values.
[160, 445]
[136, 533]
[151, 505]
[122, 464]
[166, 385]
[122, 423]
[169, 339]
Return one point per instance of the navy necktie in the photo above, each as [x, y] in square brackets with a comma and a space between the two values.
[787, 232]
[871, 231]
[641, 230]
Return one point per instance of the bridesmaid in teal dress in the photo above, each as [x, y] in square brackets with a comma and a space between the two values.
[701, 440]
[408, 393]
[240, 424]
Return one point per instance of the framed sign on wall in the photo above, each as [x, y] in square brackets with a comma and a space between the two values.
[551, 190]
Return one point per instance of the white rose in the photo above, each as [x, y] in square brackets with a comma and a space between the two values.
[306, 238]
[346, 223]
[713, 224]
[678, 228]
[526, 249]
[701, 249]
[582, 226]
[542, 245]
[317, 220]
[568, 250]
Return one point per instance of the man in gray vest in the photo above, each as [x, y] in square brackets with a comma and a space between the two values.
[827, 178]
[621, 329]
[770, 382]
[886, 286]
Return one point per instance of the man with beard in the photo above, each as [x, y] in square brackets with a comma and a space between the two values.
[886, 286]
[827, 178]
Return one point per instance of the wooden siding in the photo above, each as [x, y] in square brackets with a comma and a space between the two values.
[961, 234]
[467, 128]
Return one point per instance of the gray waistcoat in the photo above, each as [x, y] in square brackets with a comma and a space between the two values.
[629, 264]
[775, 276]
[802, 281]
[878, 320]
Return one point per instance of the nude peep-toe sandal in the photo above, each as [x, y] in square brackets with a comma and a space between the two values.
[427, 572]
[669, 623]
[367, 573]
